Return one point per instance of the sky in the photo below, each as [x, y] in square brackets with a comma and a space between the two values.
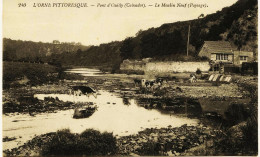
[94, 25]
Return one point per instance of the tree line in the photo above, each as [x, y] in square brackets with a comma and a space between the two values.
[236, 24]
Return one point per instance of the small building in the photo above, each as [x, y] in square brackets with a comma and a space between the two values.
[217, 51]
[243, 56]
[223, 55]
[56, 42]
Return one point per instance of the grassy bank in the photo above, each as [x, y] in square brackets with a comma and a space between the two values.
[16, 74]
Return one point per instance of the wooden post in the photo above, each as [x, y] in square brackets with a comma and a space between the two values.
[188, 41]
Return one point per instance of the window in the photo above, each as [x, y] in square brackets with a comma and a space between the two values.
[221, 56]
[243, 58]
[225, 57]
[217, 56]
[216, 67]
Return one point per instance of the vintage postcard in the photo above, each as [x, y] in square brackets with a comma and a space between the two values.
[130, 78]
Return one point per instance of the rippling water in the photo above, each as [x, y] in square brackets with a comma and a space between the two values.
[112, 116]
[85, 71]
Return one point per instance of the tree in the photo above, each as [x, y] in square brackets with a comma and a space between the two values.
[9, 54]
[127, 48]
[149, 45]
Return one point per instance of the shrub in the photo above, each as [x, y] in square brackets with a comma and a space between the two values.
[92, 142]
[250, 132]
[62, 143]
[115, 68]
[198, 72]
[149, 148]
[89, 142]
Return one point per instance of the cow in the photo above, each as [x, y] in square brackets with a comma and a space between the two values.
[193, 78]
[159, 81]
[78, 90]
[137, 82]
[179, 89]
[147, 83]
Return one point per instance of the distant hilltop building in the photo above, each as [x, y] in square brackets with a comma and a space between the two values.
[56, 42]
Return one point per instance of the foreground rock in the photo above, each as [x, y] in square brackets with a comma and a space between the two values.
[166, 141]
[33, 106]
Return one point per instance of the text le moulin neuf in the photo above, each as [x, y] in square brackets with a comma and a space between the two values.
[120, 5]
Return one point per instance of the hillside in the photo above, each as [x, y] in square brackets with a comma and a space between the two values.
[18, 50]
[237, 24]
[104, 54]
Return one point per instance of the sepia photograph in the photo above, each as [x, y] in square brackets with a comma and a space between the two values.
[129, 78]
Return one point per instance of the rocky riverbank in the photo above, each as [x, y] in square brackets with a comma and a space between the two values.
[174, 97]
[28, 104]
[153, 141]
[166, 141]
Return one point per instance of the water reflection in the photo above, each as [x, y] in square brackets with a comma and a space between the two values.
[228, 111]
[123, 116]
[112, 116]
[85, 71]
[231, 111]
[177, 106]
[126, 101]
[237, 113]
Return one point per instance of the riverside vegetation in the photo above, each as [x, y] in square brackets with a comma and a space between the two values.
[229, 131]
[236, 135]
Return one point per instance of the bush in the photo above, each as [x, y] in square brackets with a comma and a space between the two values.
[198, 72]
[250, 132]
[115, 68]
[149, 148]
[62, 143]
[90, 142]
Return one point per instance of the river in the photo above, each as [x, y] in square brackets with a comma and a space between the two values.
[113, 115]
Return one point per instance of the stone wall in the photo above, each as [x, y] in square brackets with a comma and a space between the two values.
[133, 65]
[164, 67]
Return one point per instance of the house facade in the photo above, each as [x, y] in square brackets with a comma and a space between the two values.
[217, 51]
[222, 51]
[222, 54]
[243, 56]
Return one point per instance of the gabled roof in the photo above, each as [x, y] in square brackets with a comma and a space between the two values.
[218, 46]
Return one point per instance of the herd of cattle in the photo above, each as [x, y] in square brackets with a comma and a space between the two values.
[145, 83]
[159, 81]
[85, 90]
[149, 83]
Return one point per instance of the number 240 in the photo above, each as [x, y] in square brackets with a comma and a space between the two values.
[21, 4]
